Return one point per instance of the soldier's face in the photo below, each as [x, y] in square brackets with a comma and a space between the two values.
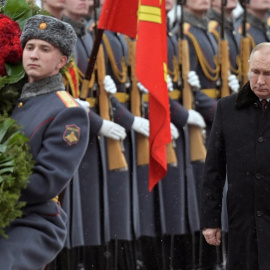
[57, 4]
[41, 59]
[231, 4]
[259, 5]
[76, 8]
[259, 73]
[198, 6]
[91, 3]
[169, 5]
[101, 3]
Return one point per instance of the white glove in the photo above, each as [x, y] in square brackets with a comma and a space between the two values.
[112, 130]
[127, 83]
[169, 83]
[194, 80]
[142, 88]
[195, 118]
[141, 125]
[109, 85]
[174, 131]
[84, 104]
[233, 83]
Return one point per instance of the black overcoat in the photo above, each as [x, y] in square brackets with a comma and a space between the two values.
[239, 144]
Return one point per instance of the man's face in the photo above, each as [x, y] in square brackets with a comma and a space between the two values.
[91, 3]
[169, 5]
[41, 59]
[77, 7]
[259, 72]
[230, 5]
[101, 3]
[259, 5]
[198, 5]
[57, 4]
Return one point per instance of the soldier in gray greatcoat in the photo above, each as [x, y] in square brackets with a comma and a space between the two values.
[256, 22]
[230, 33]
[58, 131]
[122, 185]
[88, 208]
[179, 212]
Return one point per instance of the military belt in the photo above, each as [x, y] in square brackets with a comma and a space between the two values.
[175, 94]
[212, 93]
[145, 97]
[122, 97]
[92, 101]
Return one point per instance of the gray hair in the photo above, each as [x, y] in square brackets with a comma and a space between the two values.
[257, 48]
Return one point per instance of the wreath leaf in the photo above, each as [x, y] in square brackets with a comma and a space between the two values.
[15, 167]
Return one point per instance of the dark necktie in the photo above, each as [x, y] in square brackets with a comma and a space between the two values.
[264, 103]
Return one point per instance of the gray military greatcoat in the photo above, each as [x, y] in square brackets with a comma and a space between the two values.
[58, 130]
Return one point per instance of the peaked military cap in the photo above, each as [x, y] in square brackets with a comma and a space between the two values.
[56, 32]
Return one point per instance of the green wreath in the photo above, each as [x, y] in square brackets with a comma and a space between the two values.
[15, 159]
[15, 167]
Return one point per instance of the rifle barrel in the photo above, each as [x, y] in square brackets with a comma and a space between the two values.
[91, 64]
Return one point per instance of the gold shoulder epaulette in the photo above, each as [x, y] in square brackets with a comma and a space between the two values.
[240, 28]
[92, 26]
[71, 78]
[186, 27]
[212, 25]
[212, 28]
[67, 99]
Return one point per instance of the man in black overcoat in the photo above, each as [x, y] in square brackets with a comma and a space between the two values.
[239, 148]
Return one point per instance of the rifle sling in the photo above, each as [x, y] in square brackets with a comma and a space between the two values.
[175, 94]
[212, 93]
[92, 102]
[122, 97]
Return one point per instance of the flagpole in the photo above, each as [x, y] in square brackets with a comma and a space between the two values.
[91, 64]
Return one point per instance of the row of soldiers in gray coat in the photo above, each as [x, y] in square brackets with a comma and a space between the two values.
[114, 222]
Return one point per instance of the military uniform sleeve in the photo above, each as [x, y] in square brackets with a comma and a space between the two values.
[122, 115]
[63, 146]
[205, 105]
[179, 114]
[214, 176]
[95, 123]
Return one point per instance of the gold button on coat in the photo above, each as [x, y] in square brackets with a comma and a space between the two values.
[20, 105]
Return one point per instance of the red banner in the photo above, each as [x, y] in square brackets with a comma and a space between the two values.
[151, 72]
[119, 16]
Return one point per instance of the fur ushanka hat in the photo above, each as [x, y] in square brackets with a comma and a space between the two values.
[56, 32]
